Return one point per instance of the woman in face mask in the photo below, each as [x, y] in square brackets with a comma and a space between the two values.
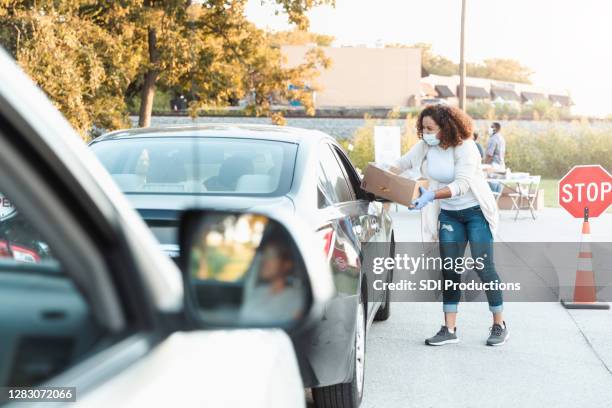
[457, 208]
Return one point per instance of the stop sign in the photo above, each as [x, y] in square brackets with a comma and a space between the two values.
[6, 208]
[586, 186]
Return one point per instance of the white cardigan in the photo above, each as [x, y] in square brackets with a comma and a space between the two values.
[468, 176]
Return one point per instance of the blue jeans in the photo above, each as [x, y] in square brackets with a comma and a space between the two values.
[496, 186]
[457, 228]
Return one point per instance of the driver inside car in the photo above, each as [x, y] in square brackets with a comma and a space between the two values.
[272, 289]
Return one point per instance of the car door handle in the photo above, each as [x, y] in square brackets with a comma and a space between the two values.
[53, 314]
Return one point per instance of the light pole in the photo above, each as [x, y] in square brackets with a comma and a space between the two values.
[462, 59]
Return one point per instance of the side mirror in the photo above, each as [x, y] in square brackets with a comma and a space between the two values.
[247, 270]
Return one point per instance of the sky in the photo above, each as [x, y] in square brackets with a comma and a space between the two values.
[567, 43]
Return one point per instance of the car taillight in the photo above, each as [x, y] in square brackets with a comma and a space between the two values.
[25, 255]
[327, 235]
[18, 253]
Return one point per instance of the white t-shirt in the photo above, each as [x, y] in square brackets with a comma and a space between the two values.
[261, 305]
[441, 167]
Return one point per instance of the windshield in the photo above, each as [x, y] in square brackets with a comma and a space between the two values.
[190, 165]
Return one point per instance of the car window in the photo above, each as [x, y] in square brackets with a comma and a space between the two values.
[45, 322]
[190, 165]
[322, 200]
[326, 195]
[348, 171]
[332, 177]
[20, 241]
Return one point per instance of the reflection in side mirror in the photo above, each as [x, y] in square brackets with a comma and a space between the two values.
[242, 270]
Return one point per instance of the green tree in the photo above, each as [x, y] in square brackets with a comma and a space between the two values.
[90, 56]
[435, 64]
[432, 63]
[501, 69]
[82, 67]
[299, 37]
[250, 65]
[209, 49]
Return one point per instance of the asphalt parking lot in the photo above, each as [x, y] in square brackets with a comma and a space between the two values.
[555, 357]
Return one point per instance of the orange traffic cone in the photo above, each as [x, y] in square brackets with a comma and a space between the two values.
[585, 294]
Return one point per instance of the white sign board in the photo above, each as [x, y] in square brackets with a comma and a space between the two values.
[387, 145]
[6, 208]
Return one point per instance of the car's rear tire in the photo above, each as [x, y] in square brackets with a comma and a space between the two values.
[347, 395]
[384, 312]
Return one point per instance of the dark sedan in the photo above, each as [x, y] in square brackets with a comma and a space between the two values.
[165, 170]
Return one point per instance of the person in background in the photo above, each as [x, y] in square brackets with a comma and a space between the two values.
[495, 153]
[478, 145]
[496, 148]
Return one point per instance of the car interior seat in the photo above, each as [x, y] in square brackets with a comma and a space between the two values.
[254, 183]
[230, 171]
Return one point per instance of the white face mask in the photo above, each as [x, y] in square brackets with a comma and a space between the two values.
[491, 131]
[431, 139]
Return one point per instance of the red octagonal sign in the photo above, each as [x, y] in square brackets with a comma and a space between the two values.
[586, 187]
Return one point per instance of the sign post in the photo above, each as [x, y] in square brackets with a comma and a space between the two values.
[586, 186]
[585, 191]
[387, 145]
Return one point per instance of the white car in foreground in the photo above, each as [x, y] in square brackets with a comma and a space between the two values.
[99, 308]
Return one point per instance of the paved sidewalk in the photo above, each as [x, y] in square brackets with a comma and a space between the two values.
[554, 358]
[551, 225]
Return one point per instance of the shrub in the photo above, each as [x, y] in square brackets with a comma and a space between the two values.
[547, 149]
[539, 110]
[552, 151]
[506, 110]
[481, 110]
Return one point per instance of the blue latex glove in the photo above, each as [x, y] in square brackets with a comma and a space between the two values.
[425, 198]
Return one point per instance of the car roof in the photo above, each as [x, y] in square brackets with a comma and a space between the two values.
[229, 130]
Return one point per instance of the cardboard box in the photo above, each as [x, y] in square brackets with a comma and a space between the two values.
[390, 185]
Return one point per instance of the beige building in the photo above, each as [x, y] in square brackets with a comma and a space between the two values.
[365, 77]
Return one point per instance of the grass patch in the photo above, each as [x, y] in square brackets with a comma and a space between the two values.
[550, 187]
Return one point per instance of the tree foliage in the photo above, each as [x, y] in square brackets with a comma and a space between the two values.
[501, 69]
[91, 56]
[299, 37]
[81, 66]
[435, 64]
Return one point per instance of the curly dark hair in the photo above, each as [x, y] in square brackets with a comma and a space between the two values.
[455, 125]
